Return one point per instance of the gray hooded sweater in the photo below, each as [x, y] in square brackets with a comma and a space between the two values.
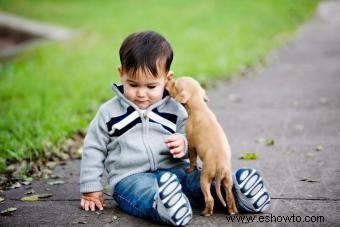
[124, 140]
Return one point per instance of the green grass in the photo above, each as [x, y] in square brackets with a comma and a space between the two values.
[52, 91]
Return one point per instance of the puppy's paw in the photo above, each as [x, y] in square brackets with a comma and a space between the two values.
[206, 212]
[232, 209]
[233, 212]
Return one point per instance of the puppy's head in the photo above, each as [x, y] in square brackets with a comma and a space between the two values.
[184, 88]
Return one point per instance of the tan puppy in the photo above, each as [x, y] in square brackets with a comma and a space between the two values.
[207, 139]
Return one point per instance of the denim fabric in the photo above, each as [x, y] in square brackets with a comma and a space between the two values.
[136, 194]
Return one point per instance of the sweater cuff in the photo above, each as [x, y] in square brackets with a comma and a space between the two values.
[186, 153]
[91, 187]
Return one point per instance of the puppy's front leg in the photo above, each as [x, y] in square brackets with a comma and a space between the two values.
[193, 160]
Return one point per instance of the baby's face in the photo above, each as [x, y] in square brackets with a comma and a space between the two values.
[143, 89]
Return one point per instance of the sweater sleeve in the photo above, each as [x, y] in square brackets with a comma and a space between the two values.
[181, 122]
[94, 154]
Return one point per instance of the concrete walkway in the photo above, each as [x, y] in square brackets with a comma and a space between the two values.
[295, 101]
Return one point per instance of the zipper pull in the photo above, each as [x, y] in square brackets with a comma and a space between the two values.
[145, 115]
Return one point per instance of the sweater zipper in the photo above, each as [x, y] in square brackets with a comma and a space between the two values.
[145, 120]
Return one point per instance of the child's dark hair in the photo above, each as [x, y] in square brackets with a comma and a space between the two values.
[145, 50]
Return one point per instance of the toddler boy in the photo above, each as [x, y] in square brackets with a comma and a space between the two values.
[138, 137]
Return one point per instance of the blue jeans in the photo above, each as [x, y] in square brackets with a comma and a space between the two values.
[136, 194]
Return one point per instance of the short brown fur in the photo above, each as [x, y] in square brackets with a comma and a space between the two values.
[206, 139]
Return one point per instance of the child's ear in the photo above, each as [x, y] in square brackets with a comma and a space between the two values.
[170, 76]
[169, 82]
[120, 70]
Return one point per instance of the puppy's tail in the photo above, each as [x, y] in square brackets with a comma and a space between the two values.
[219, 178]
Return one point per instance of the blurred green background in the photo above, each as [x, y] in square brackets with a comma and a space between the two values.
[52, 91]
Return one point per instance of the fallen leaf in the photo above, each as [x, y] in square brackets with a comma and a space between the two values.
[57, 182]
[305, 179]
[32, 198]
[51, 165]
[79, 222]
[28, 179]
[1, 199]
[107, 189]
[114, 219]
[249, 156]
[16, 185]
[53, 176]
[319, 147]
[44, 195]
[8, 211]
[30, 192]
[63, 156]
[269, 142]
[26, 183]
[80, 150]
[310, 155]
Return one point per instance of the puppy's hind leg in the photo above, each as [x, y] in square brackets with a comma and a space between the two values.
[227, 185]
[208, 199]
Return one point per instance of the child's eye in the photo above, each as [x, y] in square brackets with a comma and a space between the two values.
[151, 87]
[133, 85]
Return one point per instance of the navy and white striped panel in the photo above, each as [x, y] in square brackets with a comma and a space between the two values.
[117, 126]
[167, 120]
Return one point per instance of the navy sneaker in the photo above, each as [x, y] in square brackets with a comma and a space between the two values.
[250, 192]
[171, 203]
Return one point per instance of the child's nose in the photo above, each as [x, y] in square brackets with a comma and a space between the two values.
[141, 92]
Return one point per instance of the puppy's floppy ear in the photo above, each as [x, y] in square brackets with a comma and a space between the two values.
[182, 97]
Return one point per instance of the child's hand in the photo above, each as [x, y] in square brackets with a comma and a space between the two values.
[91, 200]
[176, 144]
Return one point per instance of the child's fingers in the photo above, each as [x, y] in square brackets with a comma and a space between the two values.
[102, 201]
[92, 206]
[176, 150]
[82, 203]
[177, 153]
[86, 205]
[98, 204]
[175, 143]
